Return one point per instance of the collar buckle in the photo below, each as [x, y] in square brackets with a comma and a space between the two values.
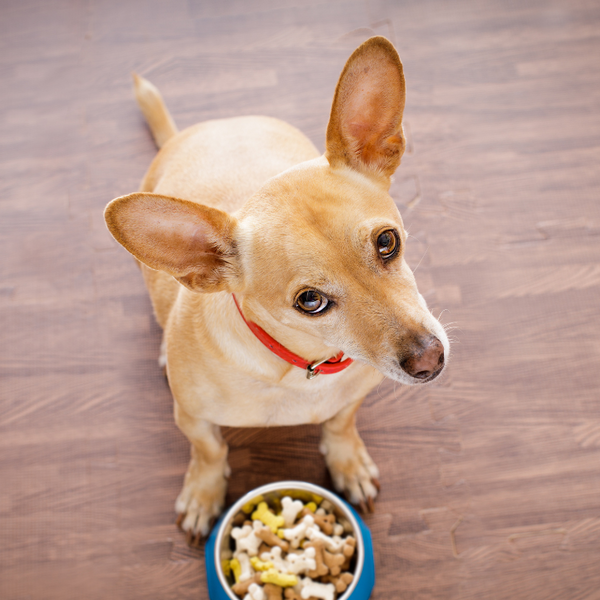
[311, 371]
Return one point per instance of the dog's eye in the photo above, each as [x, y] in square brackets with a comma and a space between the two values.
[387, 243]
[311, 302]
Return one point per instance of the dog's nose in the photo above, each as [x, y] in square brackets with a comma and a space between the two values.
[426, 359]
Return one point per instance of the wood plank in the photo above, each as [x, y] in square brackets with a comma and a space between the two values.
[490, 476]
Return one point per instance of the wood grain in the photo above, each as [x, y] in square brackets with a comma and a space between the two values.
[491, 476]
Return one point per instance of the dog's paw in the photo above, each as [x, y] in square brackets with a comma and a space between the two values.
[352, 469]
[201, 500]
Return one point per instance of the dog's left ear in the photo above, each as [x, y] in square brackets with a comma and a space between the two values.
[365, 126]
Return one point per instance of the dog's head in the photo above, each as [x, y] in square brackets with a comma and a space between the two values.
[320, 248]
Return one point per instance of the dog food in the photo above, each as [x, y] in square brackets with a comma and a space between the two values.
[291, 551]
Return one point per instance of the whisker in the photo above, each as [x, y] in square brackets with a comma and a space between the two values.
[422, 257]
[443, 311]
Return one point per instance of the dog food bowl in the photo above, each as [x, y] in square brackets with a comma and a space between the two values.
[219, 548]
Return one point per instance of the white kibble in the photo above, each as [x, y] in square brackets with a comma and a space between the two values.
[255, 592]
[338, 530]
[275, 557]
[247, 569]
[333, 545]
[246, 539]
[302, 562]
[312, 589]
[296, 534]
[290, 510]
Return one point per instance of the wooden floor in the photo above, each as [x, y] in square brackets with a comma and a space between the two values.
[491, 477]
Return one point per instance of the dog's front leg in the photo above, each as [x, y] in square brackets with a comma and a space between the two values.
[352, 469]
[204, 487]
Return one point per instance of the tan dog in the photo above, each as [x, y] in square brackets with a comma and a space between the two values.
[312, 247]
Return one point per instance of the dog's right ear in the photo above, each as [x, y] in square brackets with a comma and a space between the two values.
[192, 242]
[365, 126]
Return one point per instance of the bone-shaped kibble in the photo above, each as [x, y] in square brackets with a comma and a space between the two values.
[290, 510]
[246, 570]
[262, 513]
[236, 569]
[312, 589]
[293, 593]
[275, 558]
[333, 545]
[255, 592]
[241, 588]
[246, 539]
[250, 506]
[296, 534]
[334, 562]
[341, 581]
[325, 522]
[349, 546]
[320, 567]
[301, 562]
[280, 579]
[273, 592]
[260, 565]
[266, 535]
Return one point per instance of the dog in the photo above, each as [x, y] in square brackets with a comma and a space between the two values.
[278, 276]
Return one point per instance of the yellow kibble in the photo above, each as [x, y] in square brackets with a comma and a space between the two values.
[263, 514]
[303, 495]
[311, 506]
[280, 534]
[277, 578]
[260, 565]
[226, 568]
[235, 566]
[249, 506]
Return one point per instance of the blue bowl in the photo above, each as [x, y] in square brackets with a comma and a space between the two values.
[217, 544]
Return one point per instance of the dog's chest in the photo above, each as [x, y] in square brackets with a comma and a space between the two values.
[244, 402]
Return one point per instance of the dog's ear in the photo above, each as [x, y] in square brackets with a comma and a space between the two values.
[365, 126]
[193, 243]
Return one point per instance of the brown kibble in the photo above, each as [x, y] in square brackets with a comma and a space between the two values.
[238, 520]
[241, 588]
[349, 546]
[267, 536]
[263, 548]
[325, 522]
[341, 582]
[346, 525]
[334, 562]
[322, 569]
[292, 594]
[273, 592]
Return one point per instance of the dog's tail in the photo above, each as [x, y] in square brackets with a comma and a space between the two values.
[153, 108]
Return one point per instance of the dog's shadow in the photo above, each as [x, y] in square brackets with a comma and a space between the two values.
[258, 456]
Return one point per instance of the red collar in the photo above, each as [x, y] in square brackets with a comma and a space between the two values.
[326, 366]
